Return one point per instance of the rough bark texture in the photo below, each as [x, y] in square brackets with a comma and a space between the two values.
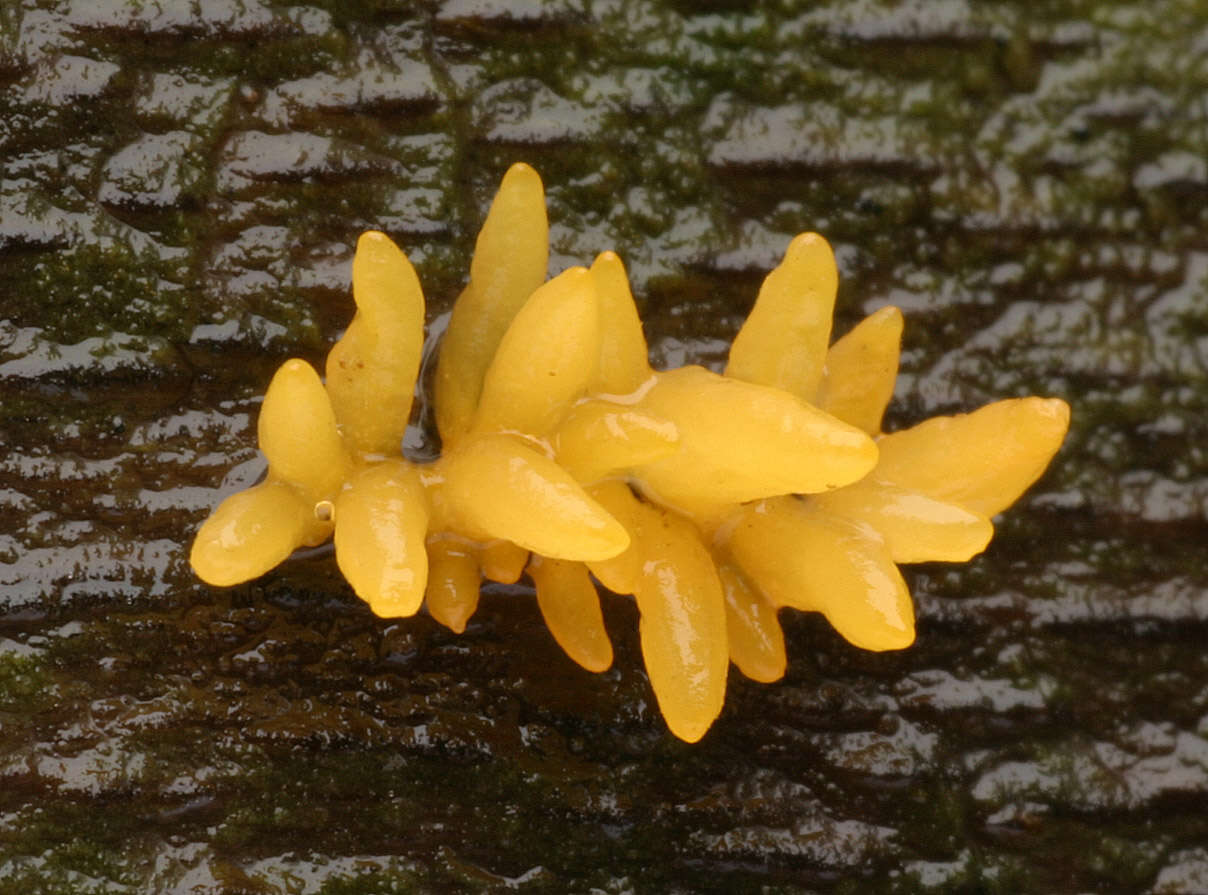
[182, 183]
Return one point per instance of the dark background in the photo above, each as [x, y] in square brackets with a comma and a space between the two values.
[181, 183]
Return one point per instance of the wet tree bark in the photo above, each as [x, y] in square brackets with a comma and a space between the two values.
[180, 189]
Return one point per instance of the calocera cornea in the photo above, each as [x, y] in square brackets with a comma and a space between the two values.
[714, 499]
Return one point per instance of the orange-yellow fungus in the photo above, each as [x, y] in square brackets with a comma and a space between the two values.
[298, 432]
[618, 573]
[544, 360]
[509, 263]
[254, 530]
[382, 523]
[598, 438]
[753, 632]
[672, 576]
[497, 487]
[783, 342]
[860, 371]
[249, 533]
[714, 500]
[333, 448]
[624, 364]
[981, 461]
[683, 625]
[571, 609]
[810, 560]
[502, 561]
[915, 527]
[741, 441]
[453, 581]
[324, 460]
[932, 489]
[371, 371]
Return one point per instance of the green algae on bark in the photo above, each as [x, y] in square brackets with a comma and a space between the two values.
[1027, 183]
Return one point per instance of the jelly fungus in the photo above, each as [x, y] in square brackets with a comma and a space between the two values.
[713, 499]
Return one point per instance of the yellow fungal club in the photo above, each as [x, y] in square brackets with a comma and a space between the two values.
[715, 500]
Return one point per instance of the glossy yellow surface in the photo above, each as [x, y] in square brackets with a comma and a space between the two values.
[497, 487]
[753, 632]
[599, 438]
[571, 609]
[371, 371]
[619, 573]
[741, 441]
[545, 359]
[502, 561]
[255, 530]
[510, 261]
[381, 524]
[453, 582]
[623, 361]
[811, 560]
[672, 576]
[683, 627]
[714, 500]
[250, 532]
[783, 341]
[915, 527]
[861, 369]
[298, 433]
[982, 461]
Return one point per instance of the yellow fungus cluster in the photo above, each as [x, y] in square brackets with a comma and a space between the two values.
[714, 500]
